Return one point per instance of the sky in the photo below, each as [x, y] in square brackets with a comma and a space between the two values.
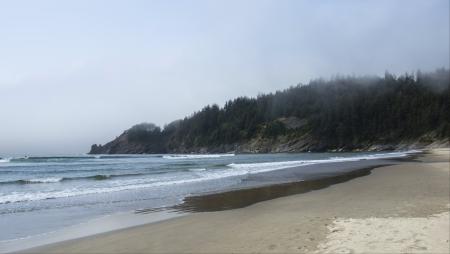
[78, 72]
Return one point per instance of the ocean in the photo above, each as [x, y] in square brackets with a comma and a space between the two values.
[41, 194]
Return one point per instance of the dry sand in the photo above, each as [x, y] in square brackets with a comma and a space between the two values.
[396, 209]
[388, 235]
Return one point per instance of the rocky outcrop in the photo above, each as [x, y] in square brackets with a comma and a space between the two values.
[120, 145]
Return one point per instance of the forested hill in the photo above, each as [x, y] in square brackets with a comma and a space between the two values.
[345, 113]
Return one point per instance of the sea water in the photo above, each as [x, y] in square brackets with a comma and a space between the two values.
[40, 194]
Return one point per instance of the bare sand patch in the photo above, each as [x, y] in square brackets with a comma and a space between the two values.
[388, 235]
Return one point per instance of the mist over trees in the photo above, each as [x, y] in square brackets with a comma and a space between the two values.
[342, 113]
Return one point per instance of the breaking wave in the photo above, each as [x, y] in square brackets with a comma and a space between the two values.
[196, 156]
[198, 174]
[3, 160]
[270, 166]
[133, 185]
[61, 179]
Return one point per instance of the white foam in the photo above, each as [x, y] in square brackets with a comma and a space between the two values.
[3, 160]
[268, 166]
[197, 169]
[222, 173]
[253, 168]
[46, 180]
[196, 156]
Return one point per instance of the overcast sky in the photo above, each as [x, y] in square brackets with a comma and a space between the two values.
[74, 73]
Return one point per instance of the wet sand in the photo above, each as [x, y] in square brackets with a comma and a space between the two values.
[244, 197]
[394, 209]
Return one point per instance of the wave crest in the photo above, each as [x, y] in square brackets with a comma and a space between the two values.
[196, 156]
[271, 166]
[42, 180]
[4, 160]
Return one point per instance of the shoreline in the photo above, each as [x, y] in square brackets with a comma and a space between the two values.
[259, 189]
[91, 227]
[271, 184]
[227, 200]
[96, 240]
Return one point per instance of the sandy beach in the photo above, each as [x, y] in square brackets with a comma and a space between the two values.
[402, 208]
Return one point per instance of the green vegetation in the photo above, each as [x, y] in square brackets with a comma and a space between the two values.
[342, 113]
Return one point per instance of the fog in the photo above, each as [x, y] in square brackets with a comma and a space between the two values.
[74, 73]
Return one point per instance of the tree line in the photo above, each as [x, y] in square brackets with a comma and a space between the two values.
[340, 112]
